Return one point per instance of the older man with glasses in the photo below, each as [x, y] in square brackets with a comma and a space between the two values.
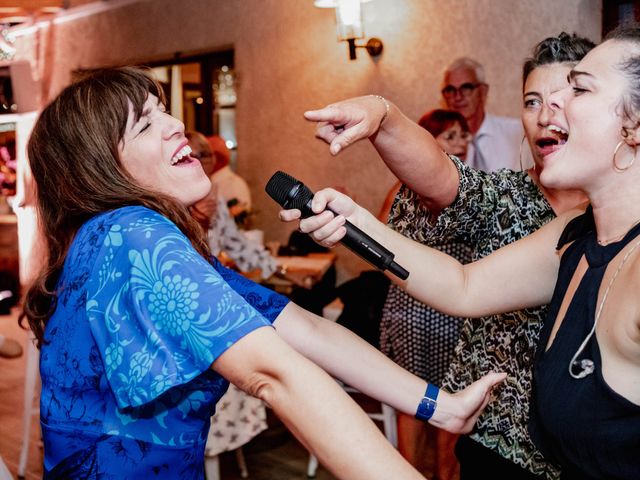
[497, 141]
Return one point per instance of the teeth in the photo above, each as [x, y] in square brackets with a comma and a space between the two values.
[554, 128]
[183, 152]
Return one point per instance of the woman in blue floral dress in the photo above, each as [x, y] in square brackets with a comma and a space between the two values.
[140, 329]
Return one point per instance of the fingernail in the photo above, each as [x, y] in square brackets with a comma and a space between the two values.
[335, 149]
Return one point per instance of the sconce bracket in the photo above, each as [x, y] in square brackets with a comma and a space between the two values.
[373, 46]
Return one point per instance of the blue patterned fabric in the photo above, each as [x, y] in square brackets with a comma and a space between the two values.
[127, 389]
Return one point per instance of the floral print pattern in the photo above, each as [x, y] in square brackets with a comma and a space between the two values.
[127, 389]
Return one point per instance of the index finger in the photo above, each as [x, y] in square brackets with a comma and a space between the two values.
[329, 114]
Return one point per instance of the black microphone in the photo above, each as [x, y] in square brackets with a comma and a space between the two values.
[291, 193]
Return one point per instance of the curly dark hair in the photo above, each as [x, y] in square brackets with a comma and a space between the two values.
[564, 48]
[73, 154]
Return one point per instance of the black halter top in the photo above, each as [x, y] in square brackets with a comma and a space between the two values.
[582, 424]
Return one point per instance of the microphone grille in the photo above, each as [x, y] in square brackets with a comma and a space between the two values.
[279, 186]
[290, 193]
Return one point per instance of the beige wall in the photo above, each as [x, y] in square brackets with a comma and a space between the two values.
[288, 60]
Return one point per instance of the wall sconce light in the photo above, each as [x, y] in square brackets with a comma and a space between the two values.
[349, 25]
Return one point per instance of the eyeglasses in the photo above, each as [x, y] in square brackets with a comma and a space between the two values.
[453, 135]
[465, 89]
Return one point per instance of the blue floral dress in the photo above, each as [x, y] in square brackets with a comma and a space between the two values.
[127, 389]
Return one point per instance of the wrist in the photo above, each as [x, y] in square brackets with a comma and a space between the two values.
[387, 109]
[428, 403]
[450, 414]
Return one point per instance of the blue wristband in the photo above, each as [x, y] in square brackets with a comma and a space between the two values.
[428, 403]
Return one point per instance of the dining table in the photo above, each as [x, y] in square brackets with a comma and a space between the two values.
[300, 271]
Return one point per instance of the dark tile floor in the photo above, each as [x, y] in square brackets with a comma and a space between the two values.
[274, 454]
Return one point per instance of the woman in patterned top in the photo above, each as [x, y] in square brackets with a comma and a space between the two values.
[140, 329]
[585, 410]
[445, 201]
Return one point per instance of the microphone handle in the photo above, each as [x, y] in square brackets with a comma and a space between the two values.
[366, 247]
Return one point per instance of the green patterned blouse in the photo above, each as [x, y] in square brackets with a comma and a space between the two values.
[491, 210]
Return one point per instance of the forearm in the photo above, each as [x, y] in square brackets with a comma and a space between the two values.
[355, 362]
[517, 276]
[316, 409]
[415, 157]
[349, 358]
[317, 412]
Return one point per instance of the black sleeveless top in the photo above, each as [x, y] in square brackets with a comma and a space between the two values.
[582, 424]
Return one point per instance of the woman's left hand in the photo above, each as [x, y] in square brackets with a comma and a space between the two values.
[459, 412]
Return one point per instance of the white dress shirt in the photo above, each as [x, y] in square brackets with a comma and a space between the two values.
[497, 145]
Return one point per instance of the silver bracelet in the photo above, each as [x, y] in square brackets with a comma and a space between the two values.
[387, 107]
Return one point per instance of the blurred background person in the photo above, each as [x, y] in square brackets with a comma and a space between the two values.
[418, 337]
[213, 215]
[232, 187]
[450, 129]
[496, 140]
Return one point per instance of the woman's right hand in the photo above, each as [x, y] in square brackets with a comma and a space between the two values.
[343, 123]
[459, 412]
[331, 209]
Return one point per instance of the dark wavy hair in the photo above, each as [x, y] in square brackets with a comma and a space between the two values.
[73, 154]
[438, 120]
[630, 68]
[564, 48]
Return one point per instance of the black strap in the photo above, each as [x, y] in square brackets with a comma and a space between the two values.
[577, 228]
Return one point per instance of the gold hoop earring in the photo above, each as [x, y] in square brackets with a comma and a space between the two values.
[615, 152]
[520, 154]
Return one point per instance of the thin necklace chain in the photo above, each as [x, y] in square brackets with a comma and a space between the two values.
[615, 239]
[587, 370]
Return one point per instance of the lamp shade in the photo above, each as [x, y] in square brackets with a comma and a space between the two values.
[331, 3]
[349, 20]
[325, 3]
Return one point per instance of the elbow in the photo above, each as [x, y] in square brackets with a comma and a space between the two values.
[262, 386]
